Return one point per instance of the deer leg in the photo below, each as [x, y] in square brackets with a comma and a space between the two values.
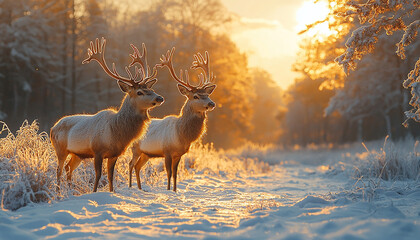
[73, 163]
[61, 156]
[130, 171]
[140, 163]
[136, 156]
[111, 166]
[168, 166]
[98, 171]
[175, 163]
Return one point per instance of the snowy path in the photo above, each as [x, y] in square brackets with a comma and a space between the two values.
[289, 202]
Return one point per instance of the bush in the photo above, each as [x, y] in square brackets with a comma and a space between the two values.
[27, 166]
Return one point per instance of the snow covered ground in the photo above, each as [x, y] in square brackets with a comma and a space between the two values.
[306, 194]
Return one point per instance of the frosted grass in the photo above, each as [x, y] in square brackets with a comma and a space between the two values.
[28, 168]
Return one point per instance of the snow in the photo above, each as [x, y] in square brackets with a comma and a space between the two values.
[308, 193]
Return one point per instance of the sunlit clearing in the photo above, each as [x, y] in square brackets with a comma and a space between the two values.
[310, 13]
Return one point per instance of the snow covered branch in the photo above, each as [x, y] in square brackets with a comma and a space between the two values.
[409, 36]
[376, 17]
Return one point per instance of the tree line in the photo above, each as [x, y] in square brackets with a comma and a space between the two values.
[42, 45]
[44, 42]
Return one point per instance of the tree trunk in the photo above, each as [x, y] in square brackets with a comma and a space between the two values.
[15, 101]
[73, 59]
[46, 99]
[344, 133]
[324, 130]
[27, 97]
[360, 130]
[388, 125]
[6, 83]
[98, 93]
[64, 58]
[404, 106]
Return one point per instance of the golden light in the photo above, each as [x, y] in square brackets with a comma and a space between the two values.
[311, 12]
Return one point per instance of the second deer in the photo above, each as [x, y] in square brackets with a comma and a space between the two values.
[172, 136]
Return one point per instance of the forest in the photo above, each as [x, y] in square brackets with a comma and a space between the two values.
[44, 42]
[326, 150]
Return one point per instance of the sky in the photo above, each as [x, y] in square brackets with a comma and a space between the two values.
[268, 34]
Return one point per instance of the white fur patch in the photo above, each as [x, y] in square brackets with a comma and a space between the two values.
[85, 129]
[160, 134]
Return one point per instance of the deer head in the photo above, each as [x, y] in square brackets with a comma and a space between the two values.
[198, 96]
[137, 87]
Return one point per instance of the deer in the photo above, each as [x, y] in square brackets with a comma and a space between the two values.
[109, 132]
[172, 136]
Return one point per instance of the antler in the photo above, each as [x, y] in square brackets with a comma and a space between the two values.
[97, 52]
[142, 60]
[199, 62]
[167, 61]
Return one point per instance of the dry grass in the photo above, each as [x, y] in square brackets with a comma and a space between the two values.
[201, 159]
[391, 162]
[28, 167]
[374, 171]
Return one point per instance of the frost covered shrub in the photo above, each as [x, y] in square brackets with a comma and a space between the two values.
[389, 163]
[27, 167]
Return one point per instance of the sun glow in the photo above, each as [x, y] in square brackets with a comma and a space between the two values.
[310, 13]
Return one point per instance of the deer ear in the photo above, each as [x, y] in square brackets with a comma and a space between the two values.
[182, 89]
[124, 86]
[209, 90]
[150, 83]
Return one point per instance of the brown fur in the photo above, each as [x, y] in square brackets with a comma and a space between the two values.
[190, 125]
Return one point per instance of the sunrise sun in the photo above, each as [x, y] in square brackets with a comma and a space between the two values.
[311, 12]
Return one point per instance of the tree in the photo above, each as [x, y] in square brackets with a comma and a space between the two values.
[377, 17]
[231, 122]
[371, 89]
[192, 17]
[369, 92]
[89, 79]
[304, 122]
[26, 28]
[266, 105]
